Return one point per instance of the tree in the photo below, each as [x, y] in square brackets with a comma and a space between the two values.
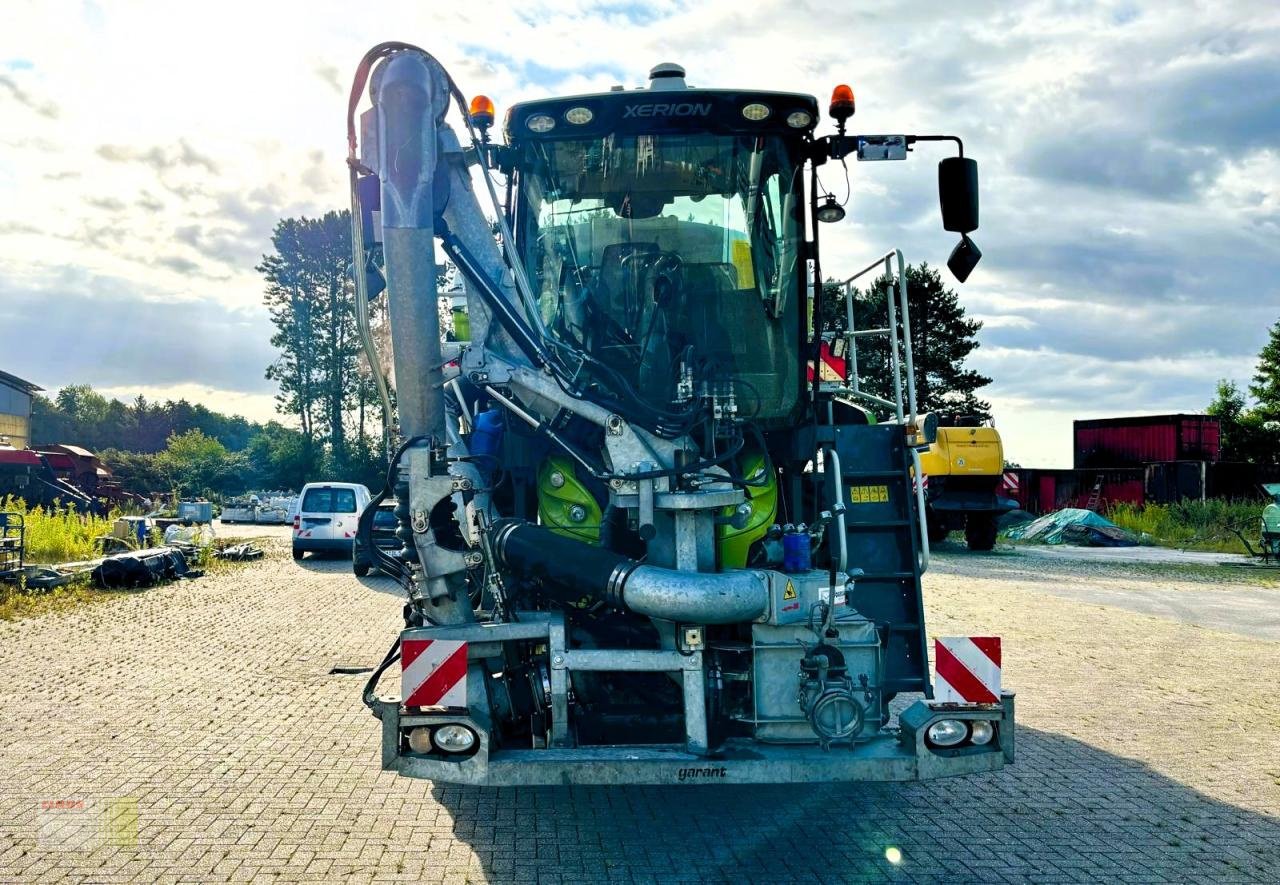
[277, 458]
[196, 464]
[1246, 434]
[309, 297]
[1266, 380]
[138, 472]
[941, 340]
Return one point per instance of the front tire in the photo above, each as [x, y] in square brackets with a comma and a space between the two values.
[297, 553]
[360, 568]
[980, 531]
[937, 529]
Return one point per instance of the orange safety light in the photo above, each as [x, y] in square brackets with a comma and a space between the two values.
[481, 112]
[842, 106]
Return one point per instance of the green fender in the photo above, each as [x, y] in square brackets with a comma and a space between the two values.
[733, 544]
[562, 497]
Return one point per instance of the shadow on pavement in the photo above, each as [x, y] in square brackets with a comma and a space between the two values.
[1065, 812]
[338, 564]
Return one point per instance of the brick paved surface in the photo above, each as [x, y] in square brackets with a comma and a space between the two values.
[204, 717]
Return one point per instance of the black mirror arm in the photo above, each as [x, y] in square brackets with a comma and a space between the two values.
[912, 139]
[837, 147]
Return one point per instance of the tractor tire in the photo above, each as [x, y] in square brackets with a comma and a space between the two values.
[938, 531]
[980, 531]
[297, 554]
[360, 568]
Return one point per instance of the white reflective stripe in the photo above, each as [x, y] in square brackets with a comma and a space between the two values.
[456, 696]
[944, 693]
[421, 668]
[975, 660]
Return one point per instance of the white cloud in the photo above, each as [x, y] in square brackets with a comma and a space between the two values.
[1131, 184]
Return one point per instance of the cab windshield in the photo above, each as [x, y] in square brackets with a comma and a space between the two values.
[669, 263]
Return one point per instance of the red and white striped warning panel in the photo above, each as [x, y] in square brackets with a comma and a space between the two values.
[968, 670]
[1011, 483]
[831, 367]
[433, 673]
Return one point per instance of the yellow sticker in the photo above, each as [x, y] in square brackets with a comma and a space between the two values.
[869, 494]
[121, 822]
[790, 592]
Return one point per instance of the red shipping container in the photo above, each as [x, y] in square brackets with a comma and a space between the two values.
[1132, 442]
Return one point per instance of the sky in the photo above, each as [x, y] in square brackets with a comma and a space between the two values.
[1129, 158]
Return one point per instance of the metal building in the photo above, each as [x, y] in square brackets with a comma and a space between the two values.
[1144, 439]
[15, 410]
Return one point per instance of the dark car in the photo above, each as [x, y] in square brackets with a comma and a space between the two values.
[384, 538]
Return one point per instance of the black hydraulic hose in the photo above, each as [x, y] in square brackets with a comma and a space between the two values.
[370, 700]
[364, 527]
[512, 322]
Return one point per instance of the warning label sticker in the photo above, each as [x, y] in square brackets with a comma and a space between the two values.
[869, 494]
[790, 592]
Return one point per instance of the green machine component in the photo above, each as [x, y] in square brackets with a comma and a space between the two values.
[565, 506]
[734, 543]
[461, 319]
[1271, 522]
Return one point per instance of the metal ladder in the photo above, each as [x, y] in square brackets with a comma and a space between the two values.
[12, 544]
[900, 357]
[1095, 496]
[882, 540]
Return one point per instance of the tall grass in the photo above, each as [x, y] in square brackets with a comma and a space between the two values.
[1191, 524]
[54, 536]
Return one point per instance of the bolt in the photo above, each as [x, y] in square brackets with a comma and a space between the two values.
[557, 660]
[577, 513]
[556, 479]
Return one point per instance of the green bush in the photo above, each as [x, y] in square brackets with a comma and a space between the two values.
[1199, 525]
[54, 536]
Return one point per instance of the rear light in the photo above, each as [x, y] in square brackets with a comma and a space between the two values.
[981, 732]
[947, 733]
[420, 740]
[297, 523]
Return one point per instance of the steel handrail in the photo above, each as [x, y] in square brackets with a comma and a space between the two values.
[894, 333]
[852, 334]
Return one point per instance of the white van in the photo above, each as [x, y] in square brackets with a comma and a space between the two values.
[325, 521]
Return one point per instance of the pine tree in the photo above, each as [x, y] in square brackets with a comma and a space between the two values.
[1266, 381]
[309, 297]
[941, 340]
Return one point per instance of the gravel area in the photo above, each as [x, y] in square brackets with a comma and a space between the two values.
[195, 733]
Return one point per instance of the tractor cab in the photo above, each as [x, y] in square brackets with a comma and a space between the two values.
[662, 233]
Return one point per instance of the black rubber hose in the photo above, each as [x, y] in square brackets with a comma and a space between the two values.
[531, 551]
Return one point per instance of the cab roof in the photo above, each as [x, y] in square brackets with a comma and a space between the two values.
[667, 105]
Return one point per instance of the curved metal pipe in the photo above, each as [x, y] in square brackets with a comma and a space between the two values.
[732, 597]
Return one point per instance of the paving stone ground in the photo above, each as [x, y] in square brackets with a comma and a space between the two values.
[194, 733]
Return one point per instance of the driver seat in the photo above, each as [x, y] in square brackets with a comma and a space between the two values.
[618, 282]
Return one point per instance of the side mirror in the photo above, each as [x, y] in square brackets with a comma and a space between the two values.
[964, 258]
[958, 194]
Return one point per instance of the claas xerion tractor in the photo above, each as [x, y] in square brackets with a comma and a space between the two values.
[640, 544]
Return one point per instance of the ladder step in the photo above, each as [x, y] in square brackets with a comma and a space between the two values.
[888, 523]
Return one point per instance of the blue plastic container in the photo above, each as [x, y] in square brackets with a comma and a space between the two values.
[486, 438]
[796, 552]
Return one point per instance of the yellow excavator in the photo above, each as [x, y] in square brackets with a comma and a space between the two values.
[963, 475]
